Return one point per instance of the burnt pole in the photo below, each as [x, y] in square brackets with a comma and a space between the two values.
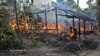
[56, 20]
[91, 27]
[17, 22]
[73, 20]
[46, 19]
[84, 27]
[79, 28]
[79, 19]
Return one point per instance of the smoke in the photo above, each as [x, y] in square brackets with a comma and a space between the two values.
[51, 17]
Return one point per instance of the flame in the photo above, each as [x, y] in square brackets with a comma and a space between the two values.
[53, 29]
[13, 25]
[81, 30]
[23, 25]
[70, 35]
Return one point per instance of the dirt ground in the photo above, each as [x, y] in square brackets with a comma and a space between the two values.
[45, 50]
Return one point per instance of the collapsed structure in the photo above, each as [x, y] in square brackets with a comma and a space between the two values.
[59, 28]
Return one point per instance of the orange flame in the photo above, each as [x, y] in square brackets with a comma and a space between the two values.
[81, 30]
[23, 25]
[52, 28]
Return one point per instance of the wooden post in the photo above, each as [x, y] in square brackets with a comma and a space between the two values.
[79, 28]
[46, 19]
[91, 27]
[88, 26]
[56, 20]
[74, 30]
[84, 27]
[73, 23]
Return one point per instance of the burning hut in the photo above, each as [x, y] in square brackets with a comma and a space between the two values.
[58, 28]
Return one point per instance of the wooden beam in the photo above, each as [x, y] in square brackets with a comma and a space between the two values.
[56, 19]
[66, 16]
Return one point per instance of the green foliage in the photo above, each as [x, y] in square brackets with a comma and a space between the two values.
[8, 38]
[3, 3]
[4, 15]
[86, 11]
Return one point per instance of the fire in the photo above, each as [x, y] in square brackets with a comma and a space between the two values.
[70, 36]
[82, 30]
[13, 25]
[23, 24]
[52, 27]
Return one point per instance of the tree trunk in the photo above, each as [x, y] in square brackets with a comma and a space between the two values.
[98, 13]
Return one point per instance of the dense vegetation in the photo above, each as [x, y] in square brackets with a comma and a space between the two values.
[8, 38]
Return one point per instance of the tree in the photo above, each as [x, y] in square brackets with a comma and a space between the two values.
[4, 15]
[59, 1]
[65, 4]
[72, 4]
[7, 36]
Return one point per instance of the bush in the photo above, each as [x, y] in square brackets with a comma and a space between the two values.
[8, 40]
